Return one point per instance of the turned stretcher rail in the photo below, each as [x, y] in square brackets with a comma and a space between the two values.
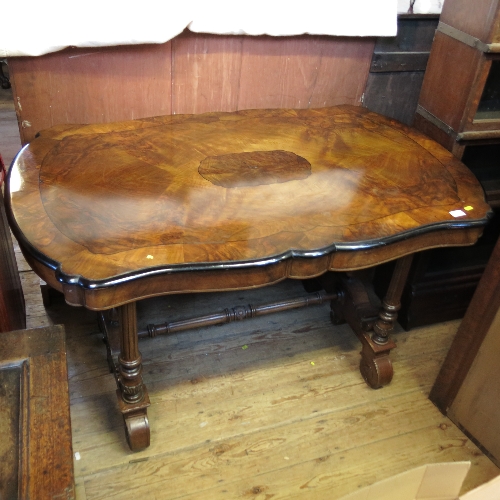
[237, 313]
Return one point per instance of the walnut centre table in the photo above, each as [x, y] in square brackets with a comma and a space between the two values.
[109, 214]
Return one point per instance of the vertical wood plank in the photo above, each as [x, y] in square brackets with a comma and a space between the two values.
[12, 308]
[50, 450]
[227, 73]
[394, 94]
[193, 73]
[473, 330]
[205, 73]
[91, 86]
[477, 405]
[302, 72]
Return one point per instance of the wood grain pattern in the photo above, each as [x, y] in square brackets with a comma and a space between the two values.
[207, 371]
[476, 408]
[325, 405]
[453, 87]
[193, 73]
[122, 202]
[480, 19]
[452, 66]
[470, 336]
[228, 73]
[12, 309]
[267, 411]
[254, 169]
[206, 73]
[303, 72]
[12, 429]
[91, 85]
[40, 433]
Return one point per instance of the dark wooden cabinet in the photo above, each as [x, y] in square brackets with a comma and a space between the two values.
[459, 107]
[459, 104]
[12, 309]
[397, 68]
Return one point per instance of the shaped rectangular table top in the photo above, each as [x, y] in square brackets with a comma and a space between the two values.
[110, 213]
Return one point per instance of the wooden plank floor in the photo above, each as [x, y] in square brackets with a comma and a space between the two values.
[273, 407]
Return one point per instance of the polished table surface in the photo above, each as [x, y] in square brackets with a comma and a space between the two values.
[104, 210]
[112, 213]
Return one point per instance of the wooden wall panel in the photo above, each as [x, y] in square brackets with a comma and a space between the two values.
[194, 73]
[91, 85]
[398, 67]
[394, 94]
[302, 72]
[473, 17]
[205, 73]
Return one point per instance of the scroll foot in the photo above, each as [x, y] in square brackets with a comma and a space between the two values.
[376, 369]
[137, 431]
[135, 418]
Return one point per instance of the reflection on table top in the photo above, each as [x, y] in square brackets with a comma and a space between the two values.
[225, 189]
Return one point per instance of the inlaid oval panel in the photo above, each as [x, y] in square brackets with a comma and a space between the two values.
[254, 168]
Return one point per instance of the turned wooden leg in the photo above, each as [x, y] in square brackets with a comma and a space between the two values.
[110, 326]
[132, 393]
[392, 301]
[45, 291]
[375, 365]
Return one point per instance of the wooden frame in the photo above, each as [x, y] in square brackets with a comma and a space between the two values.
[12, 308]
[471, 333]
[35, 423]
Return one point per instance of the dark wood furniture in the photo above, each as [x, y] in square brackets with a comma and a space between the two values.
[467, 388]
[460, 99]
[4, 79]
[111, 214]
[398, 66]
[12, 309]
[459, 107]
[36, 458]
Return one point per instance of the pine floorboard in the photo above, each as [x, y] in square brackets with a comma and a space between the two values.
[273, 407]
[288, 416]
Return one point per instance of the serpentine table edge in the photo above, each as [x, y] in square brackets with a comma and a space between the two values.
[94, 206]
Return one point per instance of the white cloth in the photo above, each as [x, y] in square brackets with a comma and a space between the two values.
[421, 6]
[37, 27]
